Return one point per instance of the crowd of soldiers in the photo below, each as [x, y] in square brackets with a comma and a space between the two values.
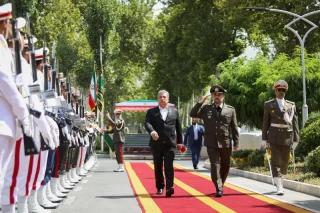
[46, 138]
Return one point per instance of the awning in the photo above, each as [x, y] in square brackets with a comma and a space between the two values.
[139, 105]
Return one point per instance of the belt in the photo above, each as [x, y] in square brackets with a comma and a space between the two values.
[280, 125]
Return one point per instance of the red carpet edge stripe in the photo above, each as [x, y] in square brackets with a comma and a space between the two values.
[236, 198]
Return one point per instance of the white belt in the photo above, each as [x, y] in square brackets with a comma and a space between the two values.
[280, 125]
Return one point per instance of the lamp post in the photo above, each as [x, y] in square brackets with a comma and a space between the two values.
[301, 40]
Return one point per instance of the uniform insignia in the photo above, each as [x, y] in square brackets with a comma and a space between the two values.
[272, 111]
[268, 101]
[209, 116]
[290, 102]
[230, 106]
[216, 89]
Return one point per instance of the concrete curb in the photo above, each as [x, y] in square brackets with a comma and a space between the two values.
[288, 184]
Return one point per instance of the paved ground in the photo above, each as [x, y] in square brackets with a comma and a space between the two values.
[104, 191]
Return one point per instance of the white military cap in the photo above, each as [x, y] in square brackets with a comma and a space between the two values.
[39, 53]
[5, 11]
[33, 40]
[280, 84]
[21, 22]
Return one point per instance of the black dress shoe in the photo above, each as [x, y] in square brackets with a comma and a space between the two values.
[195, 167]
[159, 191]
[219, 193]
[169, 192]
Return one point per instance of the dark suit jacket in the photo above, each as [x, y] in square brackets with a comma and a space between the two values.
[189, 136]
[167, 130]
[220, 130]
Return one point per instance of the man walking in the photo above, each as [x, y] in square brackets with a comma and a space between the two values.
[163, 125]
[194, 136]
[220, 123]
[280, 129]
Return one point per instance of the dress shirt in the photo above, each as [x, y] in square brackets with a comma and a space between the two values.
[195, 131]
[164, 112]
[280, 103]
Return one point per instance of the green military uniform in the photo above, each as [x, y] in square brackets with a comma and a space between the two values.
[279, 134]
[280, 129]
[220, 129]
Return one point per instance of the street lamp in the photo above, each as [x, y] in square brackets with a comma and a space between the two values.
[301, 40]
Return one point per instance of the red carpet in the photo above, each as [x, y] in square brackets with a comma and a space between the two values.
[195, 193]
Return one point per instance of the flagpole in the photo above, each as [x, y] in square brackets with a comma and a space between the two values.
[102, 109]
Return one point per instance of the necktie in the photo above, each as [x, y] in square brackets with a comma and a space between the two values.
[218, 111]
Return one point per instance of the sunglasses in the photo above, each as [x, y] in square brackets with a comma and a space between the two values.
[281, 90]
[118, 113]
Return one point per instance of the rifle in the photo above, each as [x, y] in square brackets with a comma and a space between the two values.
[45, 68]
[53, 71]
[30, 147]
[31, 50]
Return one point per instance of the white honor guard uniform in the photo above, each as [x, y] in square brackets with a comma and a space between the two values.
[39, 56]
[12, 105]
[38, 192]
[16, 174]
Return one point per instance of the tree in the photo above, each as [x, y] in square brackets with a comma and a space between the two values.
[249, 84]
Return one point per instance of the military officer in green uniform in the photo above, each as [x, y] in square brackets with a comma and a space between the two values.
[220, 124]
[281, 131]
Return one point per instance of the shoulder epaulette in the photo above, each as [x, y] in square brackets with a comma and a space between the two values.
[290, 102]
[269, 101]
[230, 106]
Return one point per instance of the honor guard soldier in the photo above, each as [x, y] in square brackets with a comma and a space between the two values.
[118, 137]
[12, 105]
[220, 124]
[281, 131]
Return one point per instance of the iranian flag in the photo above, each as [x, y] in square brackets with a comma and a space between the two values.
[92, 92]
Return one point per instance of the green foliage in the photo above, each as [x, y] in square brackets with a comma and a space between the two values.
[309, 139]
[313, 163]
[242, 153]
[314, 116]
[249, 84]
[256, 158]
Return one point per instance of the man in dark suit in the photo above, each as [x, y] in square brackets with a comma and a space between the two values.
[194, 137]
[220, 123]
[163, 125]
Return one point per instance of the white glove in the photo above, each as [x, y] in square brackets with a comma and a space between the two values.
[20, 80]
[54, 127]
[294, 145]
[66, 133]
[86, 139]
[48, 140]
[26, 127]
[264, 144]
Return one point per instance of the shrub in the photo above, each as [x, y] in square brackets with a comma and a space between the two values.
[240, 158]
[314, 116]
[239, 162]
[313, 163]
[256, 158]
[242, 153]
[309, 140]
